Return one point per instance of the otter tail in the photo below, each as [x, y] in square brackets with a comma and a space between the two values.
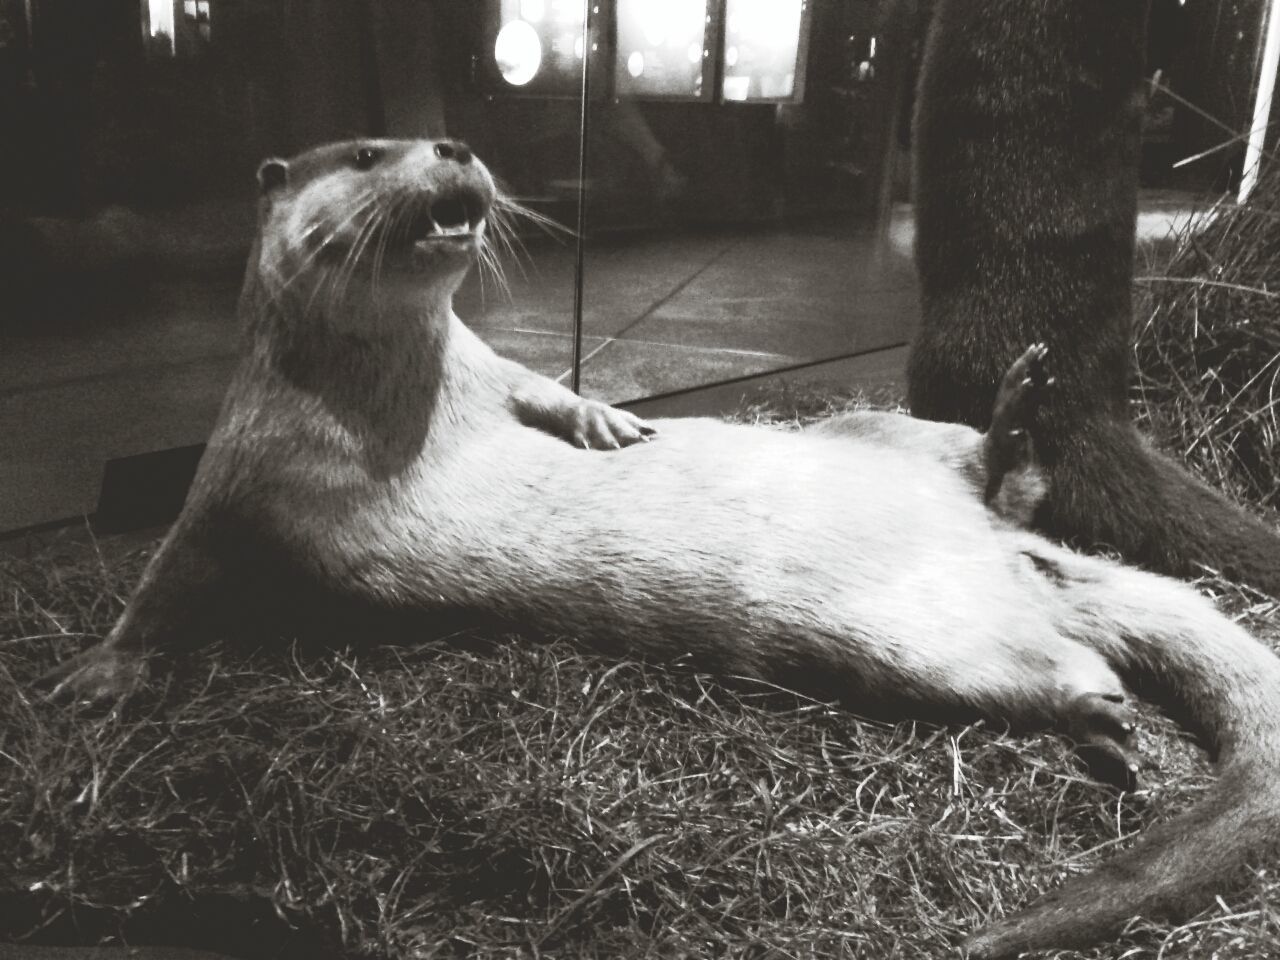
[1222, 685]
[1108, 487]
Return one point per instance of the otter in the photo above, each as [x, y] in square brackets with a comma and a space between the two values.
[1027, 138]
[372, 446]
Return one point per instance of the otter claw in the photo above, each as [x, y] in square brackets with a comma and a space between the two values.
[1102, 728]
[602, 427]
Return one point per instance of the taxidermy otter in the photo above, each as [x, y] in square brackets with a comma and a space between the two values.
[373, 447]
[1026, 149]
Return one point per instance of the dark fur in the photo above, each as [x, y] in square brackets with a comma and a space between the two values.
[1027, 140]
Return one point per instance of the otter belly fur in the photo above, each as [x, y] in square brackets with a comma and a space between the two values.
[373, 446]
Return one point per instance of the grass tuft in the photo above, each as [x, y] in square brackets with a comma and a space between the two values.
[1208, 346]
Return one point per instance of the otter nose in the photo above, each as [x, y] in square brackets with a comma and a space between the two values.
[453, 150]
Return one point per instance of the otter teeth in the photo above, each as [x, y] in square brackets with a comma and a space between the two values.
[453, 230]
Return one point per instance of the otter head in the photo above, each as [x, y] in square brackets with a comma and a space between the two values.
[347, 222]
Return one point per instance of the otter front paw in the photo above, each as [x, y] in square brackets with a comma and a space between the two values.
[98, 677]
[597, 426]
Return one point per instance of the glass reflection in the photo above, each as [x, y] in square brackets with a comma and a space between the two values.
[732, 205]
[662, 48]
[763, 48]
[723, 237]
[538, 46]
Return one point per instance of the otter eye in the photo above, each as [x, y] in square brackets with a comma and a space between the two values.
[366, 157]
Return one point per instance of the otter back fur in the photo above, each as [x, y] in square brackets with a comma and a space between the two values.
[371, 446]
[1026, 150]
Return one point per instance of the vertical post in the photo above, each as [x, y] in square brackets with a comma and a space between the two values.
[1262, 103]
[583, 129]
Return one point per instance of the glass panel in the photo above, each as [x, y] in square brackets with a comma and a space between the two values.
[125, 234]
[730, 235]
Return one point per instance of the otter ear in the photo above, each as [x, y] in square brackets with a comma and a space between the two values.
[272, 175]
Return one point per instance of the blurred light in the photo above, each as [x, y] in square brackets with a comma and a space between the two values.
[568, 11]
[669, 36]
[872, 52]
[577, 47]
[160, 17]
[518, 52]
[737, 88]
[768, 21]
[533, 10]
[762, 47]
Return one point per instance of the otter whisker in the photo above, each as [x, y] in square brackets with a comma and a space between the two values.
[396, 222]
[370, 229]
[491, 263]
[509, 208]
[505, 239]
[363, 204]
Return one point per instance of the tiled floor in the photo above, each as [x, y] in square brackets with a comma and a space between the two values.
[661, 314]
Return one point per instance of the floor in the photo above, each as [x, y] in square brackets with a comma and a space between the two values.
[661, 314]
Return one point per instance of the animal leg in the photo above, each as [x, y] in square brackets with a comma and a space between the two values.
[1084, 701]
[1029, 673]
[1221, 685]
[177, 589]
[542, 403]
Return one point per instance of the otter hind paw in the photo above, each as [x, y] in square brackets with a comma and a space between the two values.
[1101, 726]
[1008, 444]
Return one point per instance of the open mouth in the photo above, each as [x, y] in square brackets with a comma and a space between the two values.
[456, 218]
